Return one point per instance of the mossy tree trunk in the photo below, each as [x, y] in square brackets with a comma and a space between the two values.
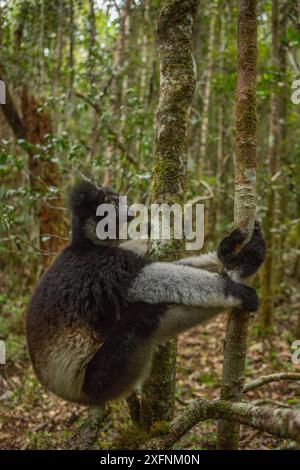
[177, 83]
[244, 208]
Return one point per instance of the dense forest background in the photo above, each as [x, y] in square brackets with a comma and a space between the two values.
[82, 81]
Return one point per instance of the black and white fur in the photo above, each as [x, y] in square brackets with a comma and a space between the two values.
[98, 313]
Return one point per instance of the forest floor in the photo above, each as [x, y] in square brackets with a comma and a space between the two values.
[33, 419]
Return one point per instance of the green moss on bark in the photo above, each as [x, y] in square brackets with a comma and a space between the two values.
[169, 174]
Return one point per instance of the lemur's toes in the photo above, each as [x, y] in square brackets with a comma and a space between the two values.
[238, 235]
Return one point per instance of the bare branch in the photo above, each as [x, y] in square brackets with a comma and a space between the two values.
[266, 379]
[279, 422]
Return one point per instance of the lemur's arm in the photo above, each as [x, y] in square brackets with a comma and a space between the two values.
[239, 264]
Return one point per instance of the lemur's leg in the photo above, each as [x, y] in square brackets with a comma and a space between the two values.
[208, 261]
[246, 261]
[137, 246]
[179, 318]
[238, 264]
[125, 358]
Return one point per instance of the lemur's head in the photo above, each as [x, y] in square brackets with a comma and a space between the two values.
[95, 211]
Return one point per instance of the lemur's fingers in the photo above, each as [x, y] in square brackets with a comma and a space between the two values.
[230, 244]
[250, 257]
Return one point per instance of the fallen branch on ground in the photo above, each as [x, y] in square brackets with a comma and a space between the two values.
[279, 422]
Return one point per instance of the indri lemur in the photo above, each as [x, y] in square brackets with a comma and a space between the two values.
[98, 313]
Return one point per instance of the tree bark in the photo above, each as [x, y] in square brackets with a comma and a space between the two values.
[11, 113]
[87, 435]
[244, 208]
[266, 311]
[177, 85]
[206, 93]
[283, 152]
[221, 122]
[267, 379]
[34, 127]
[59, 45]
[44, 174]
[116, 93]
[279, 422]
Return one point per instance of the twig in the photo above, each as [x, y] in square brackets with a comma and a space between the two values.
[119, 144]
[266, 401]
[266, 379]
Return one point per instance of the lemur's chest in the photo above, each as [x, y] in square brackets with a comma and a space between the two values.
[61, 363]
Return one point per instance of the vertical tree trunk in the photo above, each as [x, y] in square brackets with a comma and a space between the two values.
[116, 92]
[34, 127]
[220, 147]
[92, 42]
[244, 208]
[169, 173]
[92, 80]
[283, 127]
[59, 46]
[41, 45]
[44, 174]
[206, 93]
[71, 45]
[266, 310]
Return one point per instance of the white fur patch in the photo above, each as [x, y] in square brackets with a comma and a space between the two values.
[63, 366]
[209, 261]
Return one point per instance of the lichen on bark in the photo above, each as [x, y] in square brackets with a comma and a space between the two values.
[177, 83]
[244, 209]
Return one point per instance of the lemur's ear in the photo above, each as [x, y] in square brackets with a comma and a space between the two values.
[85, 197]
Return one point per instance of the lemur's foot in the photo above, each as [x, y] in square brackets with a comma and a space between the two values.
[249, 258]
[230, 244]
[247, 295]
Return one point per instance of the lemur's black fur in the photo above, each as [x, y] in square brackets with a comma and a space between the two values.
[90, 334]
[248, 257]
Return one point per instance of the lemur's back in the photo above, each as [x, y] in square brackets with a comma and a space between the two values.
[72, 310]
